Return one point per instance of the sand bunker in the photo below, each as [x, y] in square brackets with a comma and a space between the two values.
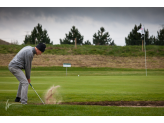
[52, 96]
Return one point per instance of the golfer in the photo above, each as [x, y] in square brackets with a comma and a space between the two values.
[23, 60]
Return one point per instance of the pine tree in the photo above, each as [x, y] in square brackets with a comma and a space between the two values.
[134, 38]
[87, 42]
[160, 37]
[70, 37]
[152, 40]
[102, 38]
[39, 34]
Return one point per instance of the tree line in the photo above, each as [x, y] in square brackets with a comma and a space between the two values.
[100, 38]
[135, 38]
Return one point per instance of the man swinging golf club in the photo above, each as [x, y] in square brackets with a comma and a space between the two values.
[23, 60]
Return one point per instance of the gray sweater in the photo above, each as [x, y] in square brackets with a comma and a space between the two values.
[23, 60]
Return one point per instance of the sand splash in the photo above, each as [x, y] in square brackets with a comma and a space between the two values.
[52, 96]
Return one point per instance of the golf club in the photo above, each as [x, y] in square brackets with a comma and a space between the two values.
[37, 93]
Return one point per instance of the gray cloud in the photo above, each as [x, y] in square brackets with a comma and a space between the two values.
[58, 21]
[147, 14]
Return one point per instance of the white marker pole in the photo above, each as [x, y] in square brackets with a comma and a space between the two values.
[66, 71]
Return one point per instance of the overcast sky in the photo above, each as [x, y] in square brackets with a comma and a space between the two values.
[15, 23]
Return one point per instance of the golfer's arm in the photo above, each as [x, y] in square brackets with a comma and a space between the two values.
[28, 72]
[29, 80]
[28, 61]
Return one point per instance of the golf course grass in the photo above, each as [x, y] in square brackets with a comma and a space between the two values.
[90, 86]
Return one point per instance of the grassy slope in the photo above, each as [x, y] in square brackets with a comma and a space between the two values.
[2, 42]
[124, 51]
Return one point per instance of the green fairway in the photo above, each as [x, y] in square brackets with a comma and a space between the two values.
[88, 87]
[75, 110]
[92, 88]
[84, 71]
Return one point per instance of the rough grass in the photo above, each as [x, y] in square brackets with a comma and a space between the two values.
[91, 56]
[90, 61]
[122, 51]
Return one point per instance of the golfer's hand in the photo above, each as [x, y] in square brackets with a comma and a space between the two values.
[29, 81]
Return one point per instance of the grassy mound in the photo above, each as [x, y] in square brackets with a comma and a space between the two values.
[123, 51]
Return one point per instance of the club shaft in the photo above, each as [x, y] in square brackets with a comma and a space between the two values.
[37, 94]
